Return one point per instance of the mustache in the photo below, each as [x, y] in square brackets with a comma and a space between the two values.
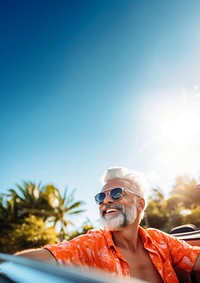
[111, 206]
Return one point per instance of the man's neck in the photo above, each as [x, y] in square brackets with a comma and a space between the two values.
[127, 237]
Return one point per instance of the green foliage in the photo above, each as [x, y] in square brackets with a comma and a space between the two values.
[32, 216]
[29, 199]
[167, 213]
[175, 219]
[62, 206]
[7, 212]
[156, 214]
[193, 217]
[31, 233]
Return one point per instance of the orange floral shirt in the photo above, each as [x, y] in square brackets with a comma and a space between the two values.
[96, 249]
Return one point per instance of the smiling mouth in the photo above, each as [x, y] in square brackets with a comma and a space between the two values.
[110, 210]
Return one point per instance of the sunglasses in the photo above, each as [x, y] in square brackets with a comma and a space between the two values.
[115, 194]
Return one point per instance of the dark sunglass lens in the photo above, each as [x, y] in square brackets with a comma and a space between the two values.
[116, 193]
[99, 198]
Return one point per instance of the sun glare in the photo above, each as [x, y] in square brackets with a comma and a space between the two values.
[183, 130]
[172, 138]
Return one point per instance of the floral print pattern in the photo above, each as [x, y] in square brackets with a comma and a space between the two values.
[96, 249]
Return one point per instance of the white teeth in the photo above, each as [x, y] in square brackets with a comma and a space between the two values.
[111, 210]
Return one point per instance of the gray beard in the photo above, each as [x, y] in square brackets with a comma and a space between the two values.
[126, 216]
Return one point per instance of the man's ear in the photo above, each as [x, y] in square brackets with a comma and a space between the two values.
[141, 203]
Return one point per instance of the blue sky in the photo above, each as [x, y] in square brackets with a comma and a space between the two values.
[86, 85]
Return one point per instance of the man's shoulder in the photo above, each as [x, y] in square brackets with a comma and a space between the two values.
[161, 236]
[92, 237]
[156, 233]
[93, 233]
[98, 232]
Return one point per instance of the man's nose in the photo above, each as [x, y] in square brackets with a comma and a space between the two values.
[108, 198]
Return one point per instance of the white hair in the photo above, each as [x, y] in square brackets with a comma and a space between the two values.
[140, 184]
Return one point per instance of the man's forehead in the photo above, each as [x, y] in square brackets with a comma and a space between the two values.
[118, 182]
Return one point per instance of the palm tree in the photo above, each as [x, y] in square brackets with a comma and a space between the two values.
[45, 202]
[63, 207]
[7, 212]
[29, 199]
[28, 206]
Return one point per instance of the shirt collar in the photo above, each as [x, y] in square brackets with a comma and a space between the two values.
[108, 237]
[146, 239]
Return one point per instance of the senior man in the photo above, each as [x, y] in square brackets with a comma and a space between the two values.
[123, 247]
